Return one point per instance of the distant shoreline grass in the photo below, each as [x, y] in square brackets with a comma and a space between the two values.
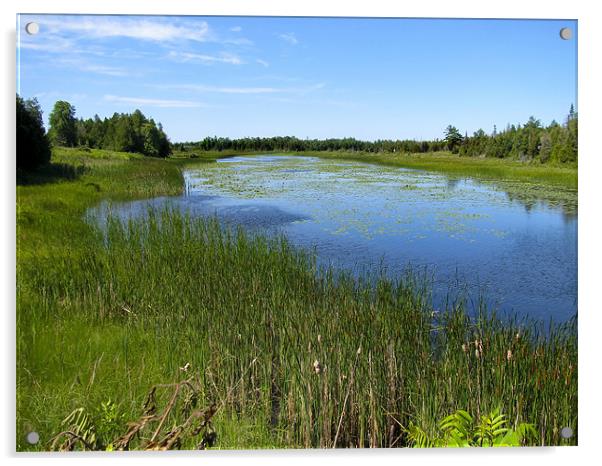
[297, 359]
[562, 175]
[488, 168]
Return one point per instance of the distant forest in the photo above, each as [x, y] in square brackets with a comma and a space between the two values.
[123, 132]
[135, 132]
[530, 141]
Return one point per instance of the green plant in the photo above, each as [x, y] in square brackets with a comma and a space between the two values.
[169, 290]
[460, 430]
[109, 421]
[179, 422]
[79, 429]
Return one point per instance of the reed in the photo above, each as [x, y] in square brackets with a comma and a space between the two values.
[337, 363]
[295, 356]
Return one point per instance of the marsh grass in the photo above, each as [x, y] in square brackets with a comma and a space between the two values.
[296, 356]
[564, 175]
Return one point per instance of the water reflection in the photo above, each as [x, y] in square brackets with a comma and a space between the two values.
[517, 251]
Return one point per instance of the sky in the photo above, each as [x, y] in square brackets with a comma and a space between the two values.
[306, 77]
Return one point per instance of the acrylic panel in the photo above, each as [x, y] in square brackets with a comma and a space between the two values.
[288, 232]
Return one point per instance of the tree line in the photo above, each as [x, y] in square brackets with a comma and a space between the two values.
[294, 144]
[135, 132]
[122, 132]
[530, 141]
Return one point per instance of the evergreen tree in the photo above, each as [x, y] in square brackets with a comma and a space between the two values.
[33, 147]
[164, 146]
[453, 138]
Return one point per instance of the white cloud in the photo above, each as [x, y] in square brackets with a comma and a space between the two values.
[135, 28]
[106, 70]
[244, 90]
[86, 66]
[236, 29]
[60, 96]
[224, 90]
[152, 102]
[262, 62]
[204, 58]
[240, 41]
[53, 44]
[289, 37]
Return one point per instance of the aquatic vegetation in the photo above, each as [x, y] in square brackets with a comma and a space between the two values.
[182, 289]
[105, 314]
[444, 222]
[460, 430]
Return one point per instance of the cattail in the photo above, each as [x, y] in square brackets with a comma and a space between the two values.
[517, 336]
[319, 338]
[464, 348]
[186, 367]
[317, 367]
[509, 355]
[478, 344]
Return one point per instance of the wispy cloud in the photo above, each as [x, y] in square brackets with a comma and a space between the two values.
[238, 41]
[86, 66]
[60, 95]
[243, 90]
[105, 70]
[230, 90]
[262, 62]
[289, 37]
[52, 44]
[59, 33]
[152, 102]
[135, 28]
[205, 59]
[84, 37]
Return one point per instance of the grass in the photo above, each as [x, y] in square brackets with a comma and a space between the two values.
[533, 172]
[295, 357]
[483, 168]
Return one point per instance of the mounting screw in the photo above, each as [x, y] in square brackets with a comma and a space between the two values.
[566, 33]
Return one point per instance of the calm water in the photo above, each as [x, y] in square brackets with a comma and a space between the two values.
[468, 237]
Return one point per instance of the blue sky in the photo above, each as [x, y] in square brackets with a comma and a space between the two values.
[305, 77]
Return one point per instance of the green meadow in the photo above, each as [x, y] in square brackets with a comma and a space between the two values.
[289, 355]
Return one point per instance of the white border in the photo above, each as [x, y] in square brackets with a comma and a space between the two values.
[589, 209]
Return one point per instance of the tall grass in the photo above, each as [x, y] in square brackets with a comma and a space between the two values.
[304, 358]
